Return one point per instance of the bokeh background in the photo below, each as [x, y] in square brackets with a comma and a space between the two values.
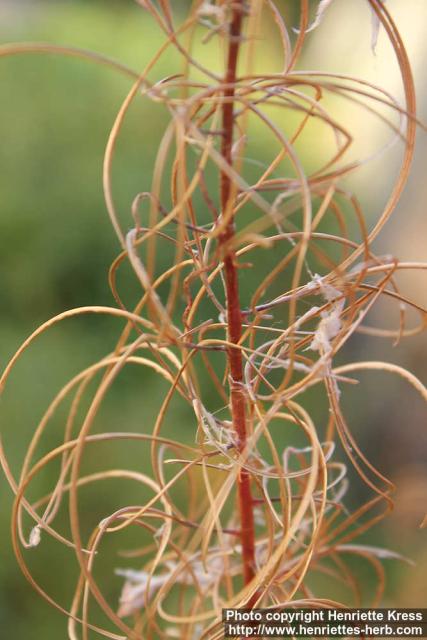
[56, 245]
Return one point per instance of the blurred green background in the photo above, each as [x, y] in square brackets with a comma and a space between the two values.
[56, 245]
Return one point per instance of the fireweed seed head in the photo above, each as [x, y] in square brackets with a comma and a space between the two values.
[254, 272]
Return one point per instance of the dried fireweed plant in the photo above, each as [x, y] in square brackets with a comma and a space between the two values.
[260, 516]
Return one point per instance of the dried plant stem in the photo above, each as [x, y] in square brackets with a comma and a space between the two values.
[234, 316]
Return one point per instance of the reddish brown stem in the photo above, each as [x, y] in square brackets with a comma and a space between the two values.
[234, 318]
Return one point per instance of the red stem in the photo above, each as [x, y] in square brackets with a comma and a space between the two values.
[234, 318]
